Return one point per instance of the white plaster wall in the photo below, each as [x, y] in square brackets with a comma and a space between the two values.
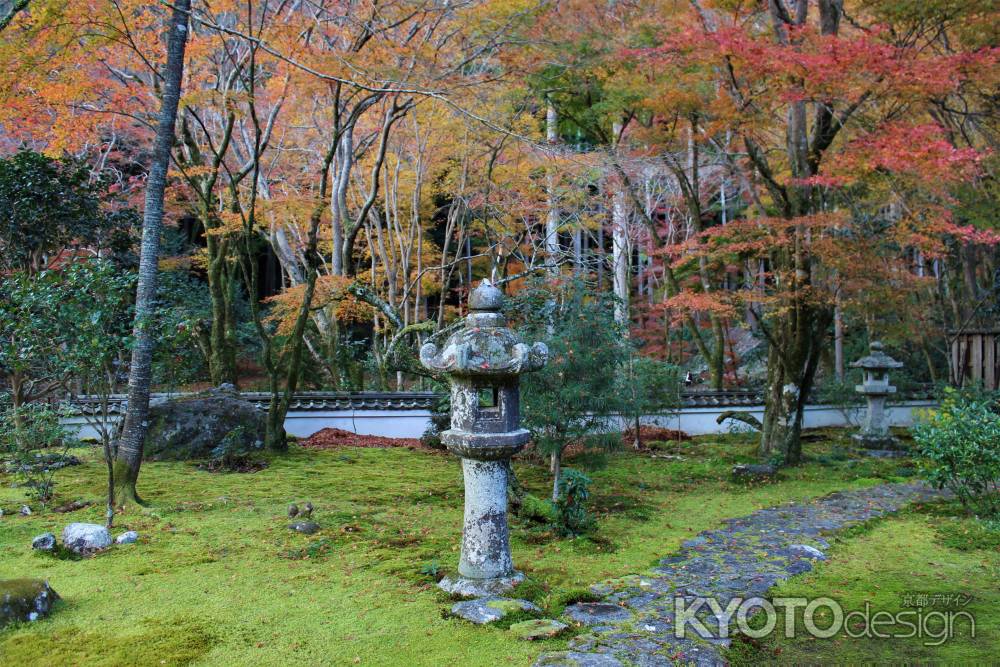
[701, 421]
[387, 423]
[412, 423]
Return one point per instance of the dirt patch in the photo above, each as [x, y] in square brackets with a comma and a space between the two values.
[653, 433]
[243, 466]
[334, 438]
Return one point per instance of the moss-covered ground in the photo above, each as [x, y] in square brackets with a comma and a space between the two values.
[933, 570]
[218, 579]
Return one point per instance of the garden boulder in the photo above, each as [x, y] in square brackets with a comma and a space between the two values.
[25, 600]
[85, 538]
[190, 427]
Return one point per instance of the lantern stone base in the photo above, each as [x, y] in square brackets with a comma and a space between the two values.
[876, 441]
[456, 584]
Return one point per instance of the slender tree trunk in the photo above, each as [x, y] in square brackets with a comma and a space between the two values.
[552, 214]
[133, 435]
[556, 473]
[619, 248]
[838, 343]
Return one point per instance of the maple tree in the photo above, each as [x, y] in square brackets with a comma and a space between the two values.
[771, 170]
[823, 111]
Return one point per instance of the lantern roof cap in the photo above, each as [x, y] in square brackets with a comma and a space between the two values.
[484, 346]
[486, 298]
[877, 359]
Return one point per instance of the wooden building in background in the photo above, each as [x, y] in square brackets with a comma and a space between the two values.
[975, 358]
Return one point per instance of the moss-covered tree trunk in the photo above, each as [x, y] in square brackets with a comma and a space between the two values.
[222, 336]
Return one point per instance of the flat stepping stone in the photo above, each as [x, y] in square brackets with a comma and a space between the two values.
[576, 659]
[487, 610]
[597, 613]
[537, 628]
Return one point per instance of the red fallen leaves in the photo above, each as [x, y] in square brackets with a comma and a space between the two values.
[335, 438]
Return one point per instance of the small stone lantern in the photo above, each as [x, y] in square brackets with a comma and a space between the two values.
[483, 361]
[876, 388]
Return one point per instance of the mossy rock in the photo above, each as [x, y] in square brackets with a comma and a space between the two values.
[537, 628]
[487, 610]
[535, 509]
[25, 600]
[508, 606]
[190, 427]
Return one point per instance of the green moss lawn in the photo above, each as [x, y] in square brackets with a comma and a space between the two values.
[218, 579]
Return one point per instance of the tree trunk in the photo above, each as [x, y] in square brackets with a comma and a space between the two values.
[793, 358]
[222, 337]
[133, 436]
[552, 214]
[838, 344]
[556, 473]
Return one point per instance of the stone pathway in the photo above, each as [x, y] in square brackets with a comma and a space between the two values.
[634, 623]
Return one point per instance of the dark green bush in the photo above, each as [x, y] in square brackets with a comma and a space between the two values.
[571, 515]
[961, 444]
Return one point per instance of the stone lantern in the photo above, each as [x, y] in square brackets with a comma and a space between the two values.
[876, 388]
[483, 361]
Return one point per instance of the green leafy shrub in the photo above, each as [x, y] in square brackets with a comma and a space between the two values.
[570, 400]
[431, 570]
[571, 515]
[961, 444]
[34, 443]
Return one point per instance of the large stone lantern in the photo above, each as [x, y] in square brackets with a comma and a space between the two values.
[483, 361]
[876, 388]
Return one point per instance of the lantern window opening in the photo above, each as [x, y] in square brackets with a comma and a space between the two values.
[489, 398]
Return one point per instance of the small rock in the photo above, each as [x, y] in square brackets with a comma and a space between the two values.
[25, 600]
[487, 610]
[597, 613]
[537, 628]
[807, 551]
[84, 538]
[25, 510]
[128, 537]
[293, 511]
[44, 542]
[307, 527]
[754, 472]
[307, 510]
